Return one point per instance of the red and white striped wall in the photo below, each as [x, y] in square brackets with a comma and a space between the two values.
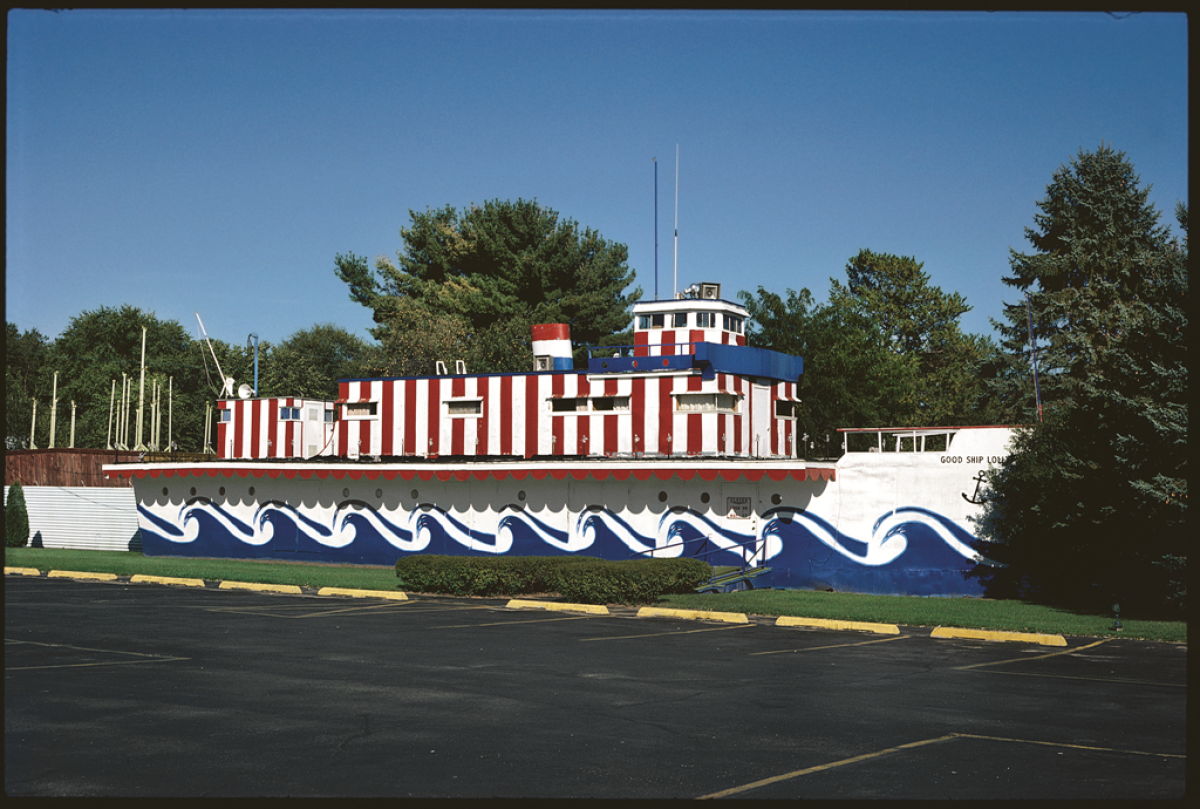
[279, 427]
[566, 414]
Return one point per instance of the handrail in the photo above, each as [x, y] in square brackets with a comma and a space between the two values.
[746, 563]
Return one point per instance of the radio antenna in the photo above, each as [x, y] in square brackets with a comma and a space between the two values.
[226, 382]
[676, 279]
[655, 159]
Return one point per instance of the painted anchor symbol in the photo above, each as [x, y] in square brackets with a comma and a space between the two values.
[974, 499]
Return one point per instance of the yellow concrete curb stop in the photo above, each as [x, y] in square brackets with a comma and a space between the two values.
[525, 604]
[826, 623]
[22, 571]
[79, 574]
[143, 579]
[294, 589]
[987, 634]
[342, 591]
[709, 615]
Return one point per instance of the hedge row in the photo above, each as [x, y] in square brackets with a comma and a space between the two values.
[579, 579]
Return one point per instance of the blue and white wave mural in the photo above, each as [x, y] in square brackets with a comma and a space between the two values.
[908, 550]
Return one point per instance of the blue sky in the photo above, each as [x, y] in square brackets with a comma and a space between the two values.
[217, 161]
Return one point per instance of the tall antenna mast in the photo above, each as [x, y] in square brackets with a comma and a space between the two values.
[675, 282]
[655, 159]
[226, 382]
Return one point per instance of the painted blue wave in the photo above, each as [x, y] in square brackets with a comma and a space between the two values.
[910, 551]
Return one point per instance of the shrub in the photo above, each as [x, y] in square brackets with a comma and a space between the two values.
[16, 518]
[582, 579]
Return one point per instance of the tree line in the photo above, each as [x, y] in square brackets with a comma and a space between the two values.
[1090, 361]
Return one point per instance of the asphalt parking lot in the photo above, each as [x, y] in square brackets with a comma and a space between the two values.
[118, 689]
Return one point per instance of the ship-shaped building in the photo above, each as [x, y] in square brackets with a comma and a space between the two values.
[683, 443]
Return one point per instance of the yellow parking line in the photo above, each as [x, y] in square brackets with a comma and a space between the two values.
[1066, 744]
[923, 742]
[833, 646]
[797, 773]
[665, 634]
[524, 621]
[1035, 657]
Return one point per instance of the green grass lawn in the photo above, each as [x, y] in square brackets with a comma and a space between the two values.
[974, 613]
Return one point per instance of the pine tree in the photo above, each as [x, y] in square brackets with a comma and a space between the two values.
[1092, 235]
[1091, 506]
[16, 518]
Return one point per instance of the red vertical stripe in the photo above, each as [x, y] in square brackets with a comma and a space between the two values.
[458, 388]
[387, 419]
[641, 341]
[408, 411]
[255, 430]
[340, 424]
[638, 419]
[533, 408]
[668, 340]
[432, 406]
[482, 446]
[611, 423]
[557, 443]
[742, 417]
[666, 416]
[506, 415]
[583, 424]
[289, 435]
[695, 421]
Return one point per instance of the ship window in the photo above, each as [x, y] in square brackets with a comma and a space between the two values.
[464, 407]
[289, 414]
[679, 320]
[706, 402]
[568, 405]
[785, 409]
[706, 320]
[606, 404]
[226, 415]
[328, 416]
[650, 321]
[733, 324]
[359, 410]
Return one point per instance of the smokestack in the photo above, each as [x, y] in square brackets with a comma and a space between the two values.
[552, 347]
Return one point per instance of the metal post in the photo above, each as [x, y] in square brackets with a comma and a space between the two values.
[141, 395]
[72, 424]
[53, 410]
[112, 397]
[33, 427]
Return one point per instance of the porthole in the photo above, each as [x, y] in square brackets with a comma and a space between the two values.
[345, 492]
[521, 495]
[221, 491]
[193, 491]
[379, 493]
[662, 497]
[776, 499]
[704, 498]
[251, 491]
[164, 491]
[414, 494]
